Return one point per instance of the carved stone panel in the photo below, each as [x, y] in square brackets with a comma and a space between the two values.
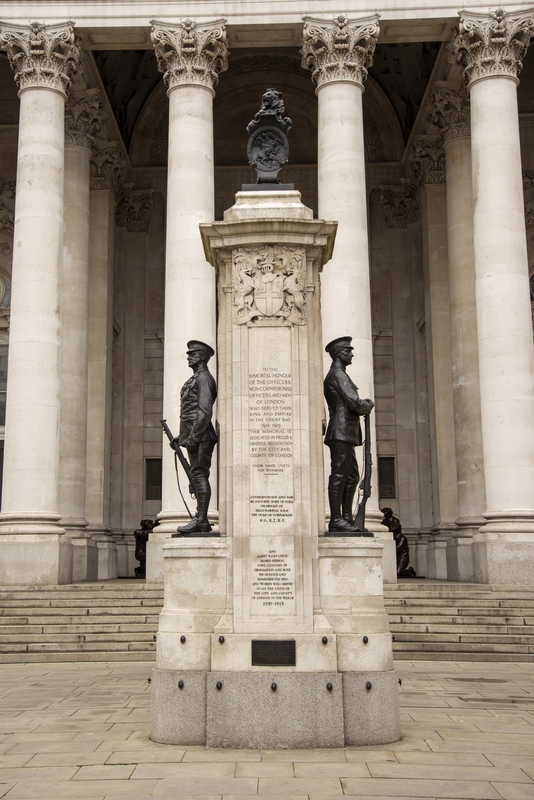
[268, 282]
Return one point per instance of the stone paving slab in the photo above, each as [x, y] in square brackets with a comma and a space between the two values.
[81, 730]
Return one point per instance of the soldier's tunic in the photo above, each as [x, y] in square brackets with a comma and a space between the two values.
[343, 433]
[196, 405]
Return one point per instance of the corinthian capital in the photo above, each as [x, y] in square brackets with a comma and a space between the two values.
[428, 161]
[450, 112]
[83, 119]
[42, 55]
[492, 44]
[107, 168]
[191, 53]
[340, 50]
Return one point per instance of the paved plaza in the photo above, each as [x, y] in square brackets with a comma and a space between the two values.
[81, 730]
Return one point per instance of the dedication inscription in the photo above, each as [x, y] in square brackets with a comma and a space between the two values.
[272, 550]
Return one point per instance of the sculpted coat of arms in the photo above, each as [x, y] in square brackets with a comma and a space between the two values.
[269, 281]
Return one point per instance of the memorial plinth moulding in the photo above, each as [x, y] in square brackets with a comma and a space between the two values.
[272, 635]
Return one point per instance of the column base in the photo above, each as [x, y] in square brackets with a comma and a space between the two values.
[460, 554]
[35, 560]
[84, 560]
[107, 552]
[436, 559]
[507, 560]
[274, 710]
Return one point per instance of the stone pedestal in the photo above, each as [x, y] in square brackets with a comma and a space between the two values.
[272, 635]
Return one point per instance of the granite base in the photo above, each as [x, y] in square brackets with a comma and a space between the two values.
[274, 710]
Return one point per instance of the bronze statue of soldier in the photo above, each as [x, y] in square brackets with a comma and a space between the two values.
[343, 434]
[197, 433]
[401, 544]
[141, 539]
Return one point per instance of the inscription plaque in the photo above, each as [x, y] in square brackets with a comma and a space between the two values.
[274, 653]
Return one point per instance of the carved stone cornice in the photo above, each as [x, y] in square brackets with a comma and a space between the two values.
[450, 112]
[42, 55]
[83, 119]
[107, 168]
[492, 45]
[427, 161]
[133, 210]
[400, 207]
[340, 50]
[190, 53]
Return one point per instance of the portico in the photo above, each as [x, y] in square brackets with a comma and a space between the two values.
[128, 133]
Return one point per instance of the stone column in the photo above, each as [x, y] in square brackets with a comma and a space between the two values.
[428, 166]
[490, 48]
[133, 213]
[106, 179]
[43, 58]
[338, 54]
[451, 115]
[190, 56]
[83, 118]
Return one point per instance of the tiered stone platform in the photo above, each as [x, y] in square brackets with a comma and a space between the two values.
[438, 620]
[118, 620]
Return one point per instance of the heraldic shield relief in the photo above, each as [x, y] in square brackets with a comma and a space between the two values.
[269, 281]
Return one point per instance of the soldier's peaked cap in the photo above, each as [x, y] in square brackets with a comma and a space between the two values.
[194, 344]
[338, 344]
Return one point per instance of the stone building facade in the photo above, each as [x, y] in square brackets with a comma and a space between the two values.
[124, 129]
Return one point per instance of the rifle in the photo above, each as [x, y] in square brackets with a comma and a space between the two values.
[364, 489]
[183, 460]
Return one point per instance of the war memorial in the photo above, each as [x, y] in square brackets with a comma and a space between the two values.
[347, 275]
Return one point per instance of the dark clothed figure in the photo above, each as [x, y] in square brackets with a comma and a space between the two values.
[141, 539]
[197, 433]
[401, 544]
[342, 435]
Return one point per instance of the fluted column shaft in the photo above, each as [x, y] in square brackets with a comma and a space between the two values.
[452, 116]
[338, 54]
[190, 296]
[83, 118]
[490, 48]
[42, 58]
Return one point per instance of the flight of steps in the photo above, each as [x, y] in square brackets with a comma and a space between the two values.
[118, 621]
[440, 621]
[104, 621]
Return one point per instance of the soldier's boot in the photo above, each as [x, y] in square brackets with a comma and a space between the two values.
[347, 503]
[203, 501]
[337, 523]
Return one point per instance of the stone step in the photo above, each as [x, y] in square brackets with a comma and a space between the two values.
[459, 647]
[476, 638]
[81, 620]
[459, 630]
[58, 608]
[430, 602]
[86, 636]
[461, 619]
[111, 621]
[101, 656]
[456, 656]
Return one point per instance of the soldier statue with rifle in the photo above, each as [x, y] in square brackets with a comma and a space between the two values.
[197, 434]
[343, 434]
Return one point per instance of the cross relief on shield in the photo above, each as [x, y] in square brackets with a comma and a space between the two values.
[269, 281]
